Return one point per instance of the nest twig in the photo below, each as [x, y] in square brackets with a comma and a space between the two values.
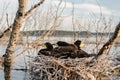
[50, 68]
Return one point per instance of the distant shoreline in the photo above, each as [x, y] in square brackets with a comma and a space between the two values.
[21, 42]
[65, 33]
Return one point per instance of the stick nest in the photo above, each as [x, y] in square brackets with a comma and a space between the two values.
[50, 68]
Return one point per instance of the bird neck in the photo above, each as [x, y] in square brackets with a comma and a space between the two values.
[78, 47]
[50, 48]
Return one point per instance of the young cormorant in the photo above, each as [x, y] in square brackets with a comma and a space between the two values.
[62, 43]
[80, 54]
[68, 50]
[67, 47]
[73, 50]
[50, 51]
[47, 50]
[78, 44]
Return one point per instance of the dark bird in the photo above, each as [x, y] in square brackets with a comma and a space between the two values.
[78, 44]
[46, 51]
[65, 50]
[67, 47]
[80, 54]
[62, 43]
[73, 50]
[50, 51]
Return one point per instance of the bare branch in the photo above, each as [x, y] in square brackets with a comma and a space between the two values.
[34, 7]
[107, 45]
[7, 20]
[26, 14]
[111, 41]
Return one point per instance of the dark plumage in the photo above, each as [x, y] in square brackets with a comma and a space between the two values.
[50, 51]
[67, 47]
[80, 54]
[78, 43]
[47, 50]
[64, 50]
[72, 50]
[62, 43]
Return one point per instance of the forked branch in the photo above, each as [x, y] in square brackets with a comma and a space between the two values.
[34, 7]
[108, 44]
[26, 14]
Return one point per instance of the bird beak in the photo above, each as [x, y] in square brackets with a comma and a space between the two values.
[43, 45]
[82, 44]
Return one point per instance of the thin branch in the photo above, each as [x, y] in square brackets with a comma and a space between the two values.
[111, 41]
[7, 30]
[7, 20]
[26, 14]
[107, 45]
[34, 7]
[46, 33]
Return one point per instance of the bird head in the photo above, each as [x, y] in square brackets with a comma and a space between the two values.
[78, 43]
[48, 45]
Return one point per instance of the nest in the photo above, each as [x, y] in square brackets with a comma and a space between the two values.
[50, 68]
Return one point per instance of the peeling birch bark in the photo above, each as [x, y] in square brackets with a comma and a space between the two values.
[13, 38]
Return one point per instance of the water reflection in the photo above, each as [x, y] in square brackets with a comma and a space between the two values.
[15, 75]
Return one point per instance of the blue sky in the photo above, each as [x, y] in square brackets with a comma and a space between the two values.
[85, 11]
[105, 3]
[108, 7]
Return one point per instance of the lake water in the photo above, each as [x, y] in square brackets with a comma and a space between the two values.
[24, 60]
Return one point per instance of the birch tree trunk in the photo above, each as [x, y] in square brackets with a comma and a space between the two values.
[13, 38]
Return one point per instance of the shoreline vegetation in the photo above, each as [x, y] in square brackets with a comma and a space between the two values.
[60, 33]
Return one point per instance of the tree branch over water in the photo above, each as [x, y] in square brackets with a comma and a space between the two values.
[108, 44]
[111, 41]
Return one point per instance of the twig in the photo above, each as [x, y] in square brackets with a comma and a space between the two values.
[26, 14]
[107, 45]
[66, 68]
[111, 41]
[34, 7]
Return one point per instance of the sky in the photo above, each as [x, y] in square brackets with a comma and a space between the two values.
[87, 13]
